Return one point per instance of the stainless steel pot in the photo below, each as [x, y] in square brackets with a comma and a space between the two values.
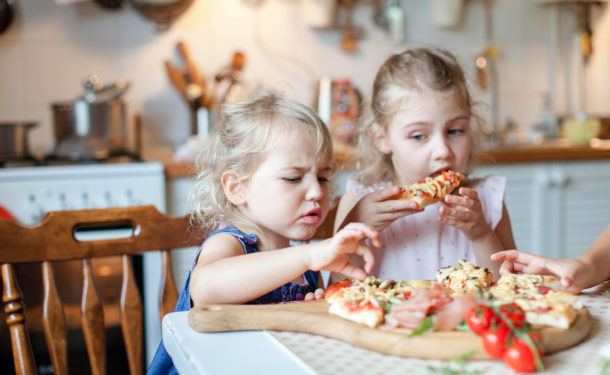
[14, 140]
[94, 126]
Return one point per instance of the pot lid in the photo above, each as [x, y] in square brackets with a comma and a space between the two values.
[96, 92]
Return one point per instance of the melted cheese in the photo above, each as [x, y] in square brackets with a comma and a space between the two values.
[466, 278]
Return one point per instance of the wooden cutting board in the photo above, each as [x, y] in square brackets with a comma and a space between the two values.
[313, 317]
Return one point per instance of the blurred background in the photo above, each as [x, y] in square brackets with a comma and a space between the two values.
[534, 54]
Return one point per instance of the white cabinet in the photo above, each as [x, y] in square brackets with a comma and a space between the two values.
[556, 209]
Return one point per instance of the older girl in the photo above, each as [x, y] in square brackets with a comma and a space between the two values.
[419, 125]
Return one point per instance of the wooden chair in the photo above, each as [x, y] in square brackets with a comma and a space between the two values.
[54, 240]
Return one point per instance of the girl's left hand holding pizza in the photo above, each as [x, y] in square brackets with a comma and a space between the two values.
[465, 213]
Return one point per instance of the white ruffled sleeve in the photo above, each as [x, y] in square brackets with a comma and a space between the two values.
[491, 194]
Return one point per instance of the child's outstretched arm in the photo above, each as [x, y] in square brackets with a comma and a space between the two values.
[224, 274]
[589, 269]
[374, 209]
[465, 213]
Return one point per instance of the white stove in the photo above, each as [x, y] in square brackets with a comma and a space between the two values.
[28, 193]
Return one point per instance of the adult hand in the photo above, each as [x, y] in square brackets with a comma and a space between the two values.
[572, 273]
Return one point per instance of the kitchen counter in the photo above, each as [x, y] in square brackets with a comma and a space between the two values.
[526, 153]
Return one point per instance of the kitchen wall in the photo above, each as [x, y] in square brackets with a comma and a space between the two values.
[50, 48]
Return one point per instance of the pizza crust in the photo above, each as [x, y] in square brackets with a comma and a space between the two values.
[431, 190]
[368, 316]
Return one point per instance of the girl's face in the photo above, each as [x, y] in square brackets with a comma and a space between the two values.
[288, 196]
[430, 134]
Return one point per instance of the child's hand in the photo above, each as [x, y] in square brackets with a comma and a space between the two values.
[572, 273]
[314, 296]
[465, 213]
[332, 254]
[378, 210]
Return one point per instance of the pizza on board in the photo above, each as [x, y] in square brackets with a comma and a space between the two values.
[406, 304]
[431, 189]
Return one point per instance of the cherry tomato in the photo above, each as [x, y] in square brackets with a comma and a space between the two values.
[519, 357]
[536, 338]
[515, 314]
[479, 318]
[495, 341]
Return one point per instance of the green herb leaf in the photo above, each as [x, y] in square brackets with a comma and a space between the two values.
[383, 304]
[463, 327]
[426, 325]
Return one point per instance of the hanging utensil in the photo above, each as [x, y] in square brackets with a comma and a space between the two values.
[227, 79]
[349, 42]
[188, 80]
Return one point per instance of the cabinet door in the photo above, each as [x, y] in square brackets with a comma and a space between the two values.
[556, 209]
[521, 200]
[583, 204]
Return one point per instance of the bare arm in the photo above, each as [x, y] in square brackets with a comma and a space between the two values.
[223, 274]
[597, 259]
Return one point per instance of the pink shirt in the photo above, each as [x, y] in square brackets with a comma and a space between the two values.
[416, 246]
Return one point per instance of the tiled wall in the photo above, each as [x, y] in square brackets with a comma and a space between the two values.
[50, 48]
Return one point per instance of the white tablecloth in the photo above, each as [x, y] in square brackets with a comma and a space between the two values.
[329, 356]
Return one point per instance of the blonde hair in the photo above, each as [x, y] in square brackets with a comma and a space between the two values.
[240, 143]
[413, 70]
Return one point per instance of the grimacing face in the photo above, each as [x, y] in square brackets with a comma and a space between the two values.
[288, 196]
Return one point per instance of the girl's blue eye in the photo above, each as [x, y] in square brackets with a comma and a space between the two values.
[418, 136]
[456, 131]
[292, 180]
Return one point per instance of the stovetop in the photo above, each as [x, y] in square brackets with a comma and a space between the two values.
[52, 159]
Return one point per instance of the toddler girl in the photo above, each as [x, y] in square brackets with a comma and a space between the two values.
[267, 177]
[418, 126]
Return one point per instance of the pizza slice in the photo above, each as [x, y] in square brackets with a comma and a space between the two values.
[368, 301]
[465, 278]
[431, 190]
[537, 296]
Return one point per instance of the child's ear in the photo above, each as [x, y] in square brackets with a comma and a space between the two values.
[233, 187]
[380, 139]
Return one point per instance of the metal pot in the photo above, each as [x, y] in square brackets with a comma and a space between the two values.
[93, 126]
[14, 140]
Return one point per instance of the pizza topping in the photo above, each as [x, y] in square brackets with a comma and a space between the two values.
[431, 189]
[466, 278]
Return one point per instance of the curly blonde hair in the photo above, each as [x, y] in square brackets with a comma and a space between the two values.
[240, 143]
[398, 78]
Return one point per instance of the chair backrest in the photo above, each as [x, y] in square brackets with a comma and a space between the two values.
[54, 240]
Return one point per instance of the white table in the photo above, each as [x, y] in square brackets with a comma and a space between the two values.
[254, 352]
[275, 352]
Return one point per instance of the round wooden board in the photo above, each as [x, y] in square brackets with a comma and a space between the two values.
[313, 317]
